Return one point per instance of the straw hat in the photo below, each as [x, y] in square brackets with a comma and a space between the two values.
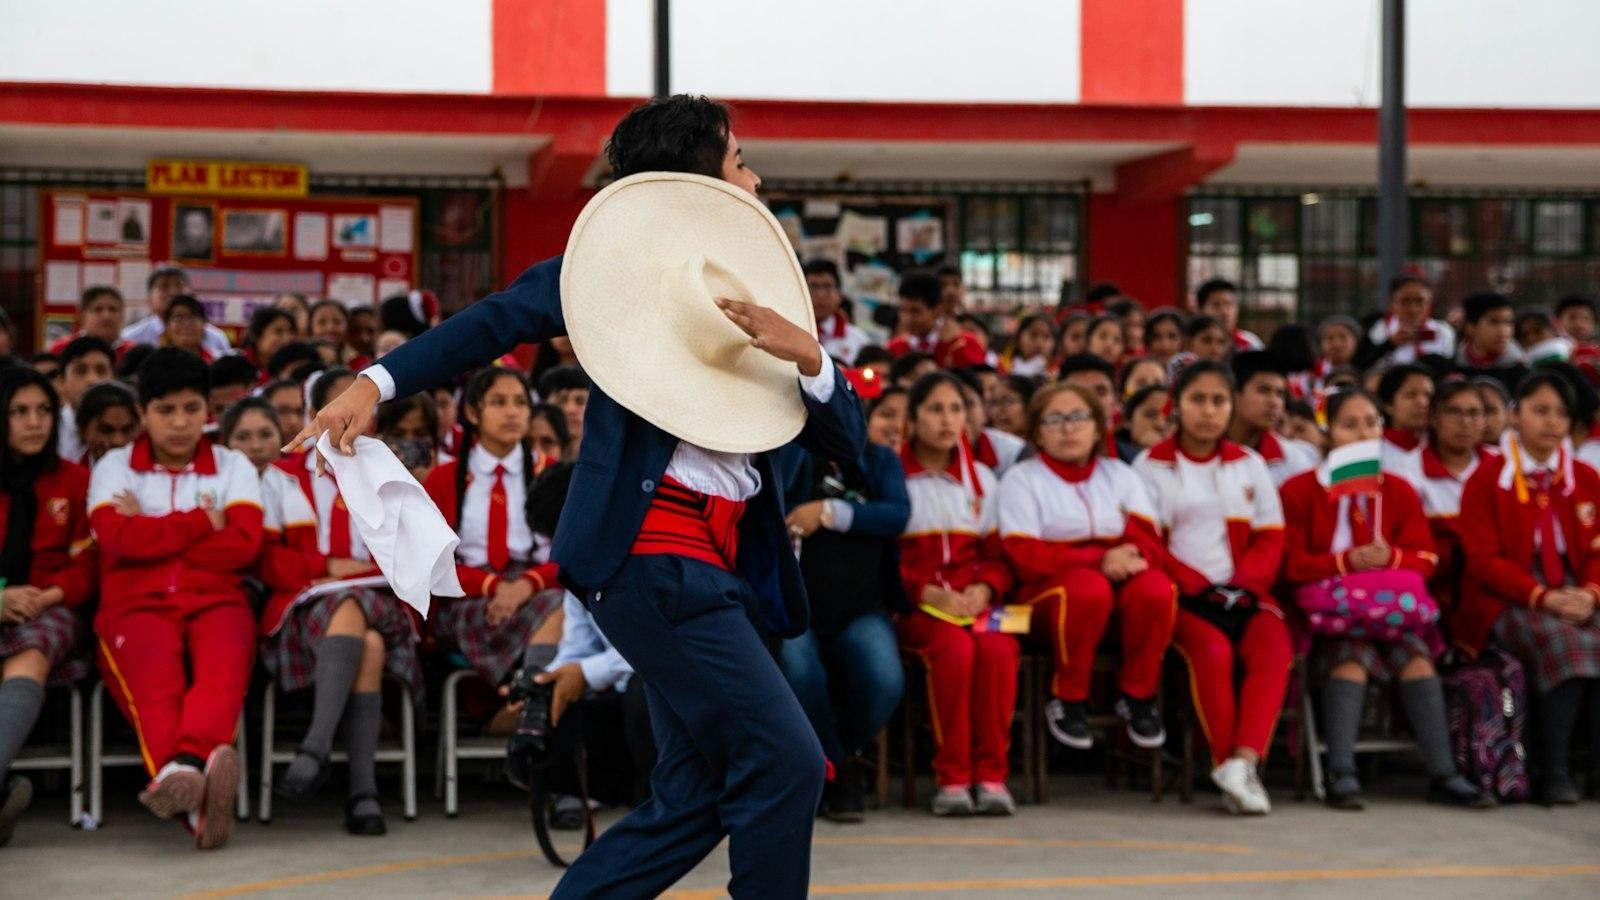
[646, 260]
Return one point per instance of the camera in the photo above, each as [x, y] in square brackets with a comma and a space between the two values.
[529, 745]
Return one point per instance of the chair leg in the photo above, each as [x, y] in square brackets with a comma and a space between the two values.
[241, 799]
[881, 781]
[1030, 710]
[97, 750]
[447, 724]
[408, 740]
[269, 716]
[75, 754]
[1313, 747]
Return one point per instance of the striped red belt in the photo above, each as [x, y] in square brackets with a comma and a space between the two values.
[688, 523]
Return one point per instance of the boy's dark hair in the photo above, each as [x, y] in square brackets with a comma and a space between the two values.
[546, 497]
[1199, 325]
[1125, 306]
[168, 370]
[324, 386]
[1086, 362]
[870, 354]
[82, 346]
[291, 354]
[184, 301]
[681, 133]
[128, 366]
[1395, 378]
[236, 411]
[563, 378]
[922, 287]
[1250, 363]
[823, 267]
[1297, 407]
[302, 371]
[1395, 284]
[1572, 301]
[160, 272]
[1480, 304]
[1210, 287]
[94, 292]
[1103, 290]
[907, 364]
[232, 370]
[44, 357]
[1292, 344]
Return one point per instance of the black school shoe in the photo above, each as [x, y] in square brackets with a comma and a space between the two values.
[1453, 790]
[842, 799]
[15, 795]
[363, 825]
[1144, 722]
[1556, 789]
[1069, 723]
[1344, 792]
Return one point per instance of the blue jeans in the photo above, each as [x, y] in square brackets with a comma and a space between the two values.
[867, 657]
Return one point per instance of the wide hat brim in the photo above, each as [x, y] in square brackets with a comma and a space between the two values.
[645, 263]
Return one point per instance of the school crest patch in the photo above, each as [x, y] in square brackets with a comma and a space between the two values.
[1249, 493]
[1586, 514]
[58, 507]
[206, 500]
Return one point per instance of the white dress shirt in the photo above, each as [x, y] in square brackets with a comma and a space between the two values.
[726, 475]
[149, 329]
[473, 518]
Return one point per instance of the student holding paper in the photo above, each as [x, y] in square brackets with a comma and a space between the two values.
[322, 627]
[1079, 530]
[955, 574]
[1353, 536]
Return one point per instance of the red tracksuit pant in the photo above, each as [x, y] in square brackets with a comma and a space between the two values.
[972, 696]
[1071, 612]
[148, 647]
[1244, 716]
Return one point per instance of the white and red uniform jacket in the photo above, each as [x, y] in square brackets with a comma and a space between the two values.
[1286, 457]
[998, 450]
[170, 547]
[1230, 495]
[289, 559]
[952, 539]
[1055, 516]
[841, 338]
[1401, 454]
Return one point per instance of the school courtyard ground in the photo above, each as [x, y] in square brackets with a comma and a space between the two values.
[1087, 841]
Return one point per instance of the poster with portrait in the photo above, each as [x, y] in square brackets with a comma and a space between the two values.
[133, 221]
[194, 229]
[255, 232]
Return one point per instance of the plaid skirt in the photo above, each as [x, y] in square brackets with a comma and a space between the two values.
[1554, 651]
[494, 651]
[291, 654]
[1382, 660]
[59, 634]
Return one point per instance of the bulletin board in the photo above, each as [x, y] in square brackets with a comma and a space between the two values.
[239, 251]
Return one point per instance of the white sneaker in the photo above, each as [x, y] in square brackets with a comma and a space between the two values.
[994, 799]
[1241, 788]
[953, 800]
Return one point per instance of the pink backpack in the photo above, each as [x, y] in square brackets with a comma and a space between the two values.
[1380, 605]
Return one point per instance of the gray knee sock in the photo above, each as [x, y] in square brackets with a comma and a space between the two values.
[1424, 702]
[20, 702]
[1341, 722]
[538, 656]
[362, 719]
[338, 660]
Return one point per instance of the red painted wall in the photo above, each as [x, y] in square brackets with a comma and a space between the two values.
[1139, 246]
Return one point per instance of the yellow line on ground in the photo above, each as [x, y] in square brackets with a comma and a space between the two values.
[1100, 843]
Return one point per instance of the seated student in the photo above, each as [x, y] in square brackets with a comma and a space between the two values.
[1032, 351]
[1575, 319]
[877, 359]
[1329, 537]
[1406, 392]
[1163, 335]
[1130, 316]
[1496, 399]
[1219, 299]
[1007, 403]
[1338, 337]
[100, 312]
[841, 338]
[271, 329]
[232, 377]
[298, 307]
[185, 326]
[164, 282]
[1291, 345]
[1139, 373]
[1300, 423]
[1099, 379]
[1408, 332]
[847, 519]
[294, 361]
[909, 367]
[1452, 455]
[386, 341]
[567, 388]
[288, 404]
[547, 432]
[340, 643]
[330, 321]
[886, 418]
[46, 571]
[446, 412]
[1533, 572]
[1079, 531]
[510, 615]
[1585, 409]
[1219, 510]
[1146, 422]
[86, 362]
[954, 572]
[178, 523]
[1207, 339]
[994, 448]
[1486, 347]
[1259, 398]
[410, 426]
[1104, 339]
[110, 419]
[923, 327]
[48, 365]
[1074, 333]
[360, 337]
[1536, 334]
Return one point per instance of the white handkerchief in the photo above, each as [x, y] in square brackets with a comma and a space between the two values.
[406, 534]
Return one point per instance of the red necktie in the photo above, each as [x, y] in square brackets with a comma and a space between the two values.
[339, 526]
[499, 552]
[1544, 527]
[1360, 521]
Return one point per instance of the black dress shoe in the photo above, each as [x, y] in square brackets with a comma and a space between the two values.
[1556, 789]
[1344, 792]
[365, 825]
[842, 799]
[298, 790]
[1457, 791]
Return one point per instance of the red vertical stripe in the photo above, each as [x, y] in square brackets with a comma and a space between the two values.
[549, 47]
[1132, 51]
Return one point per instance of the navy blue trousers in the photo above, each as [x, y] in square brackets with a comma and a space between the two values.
[736, 755]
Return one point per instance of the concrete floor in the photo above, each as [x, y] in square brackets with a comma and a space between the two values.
[1086, 841]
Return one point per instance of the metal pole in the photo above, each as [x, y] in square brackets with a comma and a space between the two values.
[1393, 221]
[663, 49]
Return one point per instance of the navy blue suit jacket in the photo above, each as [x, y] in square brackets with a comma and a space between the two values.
[623, 457]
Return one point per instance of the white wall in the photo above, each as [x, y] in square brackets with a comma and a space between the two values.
[354, 45]
[934, 50]
[1460, 53]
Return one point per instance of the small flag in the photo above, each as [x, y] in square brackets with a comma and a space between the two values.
[1354, 468]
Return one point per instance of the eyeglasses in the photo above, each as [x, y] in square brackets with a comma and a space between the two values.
[1072, 420]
